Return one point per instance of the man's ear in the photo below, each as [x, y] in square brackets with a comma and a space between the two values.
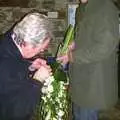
[23, 44]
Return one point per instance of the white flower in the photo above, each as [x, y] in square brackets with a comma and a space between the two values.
[60, 118]
[48, 81]
[55, 119]
[62, 85]
[44, 98]
[48, 117]
[60, 94]
[44, 90]
[60, 113]
[58, 100]
[61, 105]
[48, 95]
[50, 88]
[61, 82]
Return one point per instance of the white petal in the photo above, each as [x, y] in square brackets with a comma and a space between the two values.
[60, 113]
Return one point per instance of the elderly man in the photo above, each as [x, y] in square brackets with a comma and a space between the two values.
[19, 93]
[94, 73]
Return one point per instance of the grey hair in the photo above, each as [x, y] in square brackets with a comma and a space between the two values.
[33, 28]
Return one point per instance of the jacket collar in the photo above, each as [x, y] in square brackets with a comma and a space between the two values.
[8, 47]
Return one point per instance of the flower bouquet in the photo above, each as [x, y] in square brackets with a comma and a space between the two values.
[55, 101]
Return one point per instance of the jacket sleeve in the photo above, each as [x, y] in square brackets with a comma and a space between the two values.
[99, 40]
[22, 92]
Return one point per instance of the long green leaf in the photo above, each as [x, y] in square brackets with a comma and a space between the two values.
[67, 40]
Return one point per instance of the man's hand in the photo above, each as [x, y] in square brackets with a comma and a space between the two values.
[43, 73]
[65, 58]
[68, 57]
[36, 64]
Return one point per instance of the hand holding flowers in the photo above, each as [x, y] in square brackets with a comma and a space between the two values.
[68, 56]
[43, 73]
[55, 99]
[43, 70]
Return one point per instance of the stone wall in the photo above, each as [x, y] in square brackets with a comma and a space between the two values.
[48, 4]
[9, 15]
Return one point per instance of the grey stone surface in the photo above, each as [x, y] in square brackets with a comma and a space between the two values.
[9, 15]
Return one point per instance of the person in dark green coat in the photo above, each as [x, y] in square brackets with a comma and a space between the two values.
[94, 73]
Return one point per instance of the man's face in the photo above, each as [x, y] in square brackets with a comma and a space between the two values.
[29, 50]
[84, 1]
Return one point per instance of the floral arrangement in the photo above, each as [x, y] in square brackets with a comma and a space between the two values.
[55, 101]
